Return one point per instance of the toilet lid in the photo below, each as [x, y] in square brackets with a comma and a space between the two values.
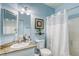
[45, 51]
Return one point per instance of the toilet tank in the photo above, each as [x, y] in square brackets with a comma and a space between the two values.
[40, 44]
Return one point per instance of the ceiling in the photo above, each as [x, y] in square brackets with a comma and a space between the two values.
[54, 5]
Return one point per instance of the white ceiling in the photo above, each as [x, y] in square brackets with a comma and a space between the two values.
[54, 5]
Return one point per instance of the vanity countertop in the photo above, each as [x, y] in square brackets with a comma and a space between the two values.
[9, 49]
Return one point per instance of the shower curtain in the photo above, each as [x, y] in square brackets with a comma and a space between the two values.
[57, 34]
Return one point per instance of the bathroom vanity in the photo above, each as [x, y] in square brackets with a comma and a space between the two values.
[23, 51]
[9, 28]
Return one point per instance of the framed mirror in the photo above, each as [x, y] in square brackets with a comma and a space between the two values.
[9, 22]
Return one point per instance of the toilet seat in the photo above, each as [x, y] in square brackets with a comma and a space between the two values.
[45, 52]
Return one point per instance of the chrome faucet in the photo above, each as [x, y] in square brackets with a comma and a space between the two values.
[25, 38]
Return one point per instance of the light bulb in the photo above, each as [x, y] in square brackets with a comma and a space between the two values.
[22, 12]
[28, 13]
[23, 9]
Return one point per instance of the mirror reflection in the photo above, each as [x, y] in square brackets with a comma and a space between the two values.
[9, 22]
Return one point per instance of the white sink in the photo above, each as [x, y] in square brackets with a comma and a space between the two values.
[20, 45]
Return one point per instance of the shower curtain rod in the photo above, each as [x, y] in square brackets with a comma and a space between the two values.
[73, 8]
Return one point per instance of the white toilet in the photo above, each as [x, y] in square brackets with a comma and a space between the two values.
[41, 46]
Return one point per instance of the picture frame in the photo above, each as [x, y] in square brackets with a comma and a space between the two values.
[39, 23]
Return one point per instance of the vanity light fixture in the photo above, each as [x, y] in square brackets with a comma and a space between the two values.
[26, 11]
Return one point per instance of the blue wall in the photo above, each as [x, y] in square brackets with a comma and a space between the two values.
[38, 9]
[72, 13]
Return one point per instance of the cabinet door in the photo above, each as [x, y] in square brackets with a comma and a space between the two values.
[24, 52]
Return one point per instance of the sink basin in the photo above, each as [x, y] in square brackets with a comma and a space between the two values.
[20, 45]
